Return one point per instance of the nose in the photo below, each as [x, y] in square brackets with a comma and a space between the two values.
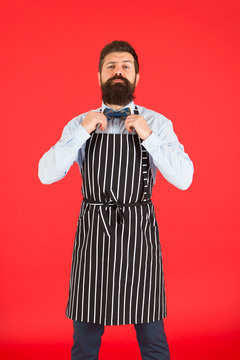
[118, 72]
[118, 69]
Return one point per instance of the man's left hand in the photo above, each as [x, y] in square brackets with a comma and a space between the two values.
[139, 123]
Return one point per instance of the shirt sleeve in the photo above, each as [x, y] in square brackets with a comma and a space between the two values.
[56, 162]
[168, 155]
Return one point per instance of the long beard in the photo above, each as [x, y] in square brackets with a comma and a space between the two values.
[119, 93]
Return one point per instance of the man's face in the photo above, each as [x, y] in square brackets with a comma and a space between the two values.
[118, 78]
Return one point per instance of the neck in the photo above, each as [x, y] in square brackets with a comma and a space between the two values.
[116, 107]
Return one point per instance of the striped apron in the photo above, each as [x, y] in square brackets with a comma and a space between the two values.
[116, 274]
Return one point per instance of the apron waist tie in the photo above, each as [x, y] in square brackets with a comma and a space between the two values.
[117, 206]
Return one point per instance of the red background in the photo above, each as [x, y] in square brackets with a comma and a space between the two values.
[189, 69]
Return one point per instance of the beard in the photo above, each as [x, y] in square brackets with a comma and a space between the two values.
[118, 93]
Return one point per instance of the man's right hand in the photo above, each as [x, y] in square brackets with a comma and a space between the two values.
[92, 119]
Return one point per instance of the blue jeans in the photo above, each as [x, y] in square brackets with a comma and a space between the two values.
[150, 336]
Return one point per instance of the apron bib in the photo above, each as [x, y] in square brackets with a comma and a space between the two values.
[116, 274]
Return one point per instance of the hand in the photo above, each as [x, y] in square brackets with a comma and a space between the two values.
[92, 119]
[139, 123]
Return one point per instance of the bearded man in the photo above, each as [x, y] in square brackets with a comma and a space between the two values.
[117, 273]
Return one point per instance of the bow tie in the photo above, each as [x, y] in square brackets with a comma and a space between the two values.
[122, 114]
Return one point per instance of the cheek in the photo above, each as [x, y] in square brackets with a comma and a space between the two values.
[106, 76]
[131, 78]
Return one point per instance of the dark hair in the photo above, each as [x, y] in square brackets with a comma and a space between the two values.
[118, 46]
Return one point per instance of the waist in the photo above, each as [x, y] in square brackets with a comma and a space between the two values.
[116, 203]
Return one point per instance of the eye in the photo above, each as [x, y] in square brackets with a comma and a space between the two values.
[126, 66]
[110, 66]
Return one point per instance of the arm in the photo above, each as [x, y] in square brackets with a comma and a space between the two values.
[56, 162]
[169, 156]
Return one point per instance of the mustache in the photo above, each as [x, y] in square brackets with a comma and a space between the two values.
[117, 77]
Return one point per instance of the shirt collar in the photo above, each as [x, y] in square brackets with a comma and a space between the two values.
[131, 105]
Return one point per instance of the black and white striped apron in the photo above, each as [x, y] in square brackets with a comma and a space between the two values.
[116, 274]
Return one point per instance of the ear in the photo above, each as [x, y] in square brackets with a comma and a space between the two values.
[137, 78]
[99, 77]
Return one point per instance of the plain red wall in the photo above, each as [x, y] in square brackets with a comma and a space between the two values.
[189, 69]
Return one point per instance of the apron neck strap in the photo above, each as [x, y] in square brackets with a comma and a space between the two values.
[136, 112]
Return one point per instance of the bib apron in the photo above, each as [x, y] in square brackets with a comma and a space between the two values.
[116, 273]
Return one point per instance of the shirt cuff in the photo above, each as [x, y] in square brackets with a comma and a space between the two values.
[78, 138]
[81, 134]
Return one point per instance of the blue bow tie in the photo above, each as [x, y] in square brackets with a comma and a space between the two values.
[122, 114]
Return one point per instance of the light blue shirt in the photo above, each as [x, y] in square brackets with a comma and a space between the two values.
[166, 153]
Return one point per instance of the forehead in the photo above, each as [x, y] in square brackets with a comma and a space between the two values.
[118, 57]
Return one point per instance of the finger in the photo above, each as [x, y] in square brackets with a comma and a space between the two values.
[128, 127]
[99, 122]
[104, 121]
[100, 116]
[103, 127]
[132, 116]
[103, 124]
